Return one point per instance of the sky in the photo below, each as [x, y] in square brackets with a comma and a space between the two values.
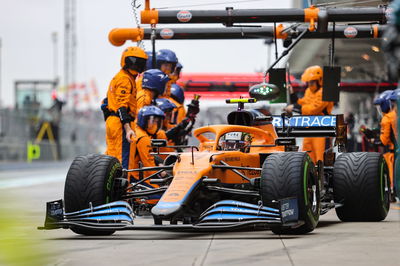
[26, 29]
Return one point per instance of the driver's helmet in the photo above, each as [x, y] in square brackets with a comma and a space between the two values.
[235, 141]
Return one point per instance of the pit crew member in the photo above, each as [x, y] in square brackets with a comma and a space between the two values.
[312, 104]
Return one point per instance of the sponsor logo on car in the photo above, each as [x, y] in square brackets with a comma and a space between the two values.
[306, 121]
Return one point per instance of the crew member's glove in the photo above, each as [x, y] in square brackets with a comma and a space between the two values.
[194, 107]
[104, 109]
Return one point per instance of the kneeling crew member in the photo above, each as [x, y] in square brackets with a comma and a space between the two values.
[175, 134]
[150, 86]
[167, 61]
[177, 97]
[149, 121]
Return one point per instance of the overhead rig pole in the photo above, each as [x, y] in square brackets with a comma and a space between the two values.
[232, 16]
[228, 17]
[118, 36]
[363, 31]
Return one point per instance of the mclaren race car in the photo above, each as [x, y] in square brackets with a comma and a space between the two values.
[247, 173]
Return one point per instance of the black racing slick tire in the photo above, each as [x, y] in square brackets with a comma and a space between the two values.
[361, 183]
[292, 174]
[90, 179]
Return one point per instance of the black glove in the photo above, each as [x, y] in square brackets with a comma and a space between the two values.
[178, 131]
[104, 109]
[123, 115]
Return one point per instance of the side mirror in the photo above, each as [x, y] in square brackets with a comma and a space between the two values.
[264, 92]
[158, 143]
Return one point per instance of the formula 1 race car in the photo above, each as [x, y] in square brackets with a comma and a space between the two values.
[248, 173]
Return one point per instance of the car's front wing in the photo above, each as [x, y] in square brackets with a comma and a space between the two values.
[222, 216]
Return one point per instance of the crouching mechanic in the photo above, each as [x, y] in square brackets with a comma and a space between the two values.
[150, 86]
[167, 61]
[177, 97]
[176, 75]
[312, 104]
[176, 133]
[120, 105]
[167, 107]
[148, 123]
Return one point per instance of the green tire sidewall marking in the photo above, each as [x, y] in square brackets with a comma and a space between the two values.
[110, 181]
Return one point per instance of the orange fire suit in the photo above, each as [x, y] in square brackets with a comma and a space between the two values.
[178, 114]
[312, 104]
[142, 152]
[162, 135]
[144, 96]
[167, 92]
[388, 138]
[121, 97]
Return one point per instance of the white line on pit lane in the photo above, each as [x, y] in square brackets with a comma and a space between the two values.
[31, 181]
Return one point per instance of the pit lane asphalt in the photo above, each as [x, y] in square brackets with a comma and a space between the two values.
[332, 243]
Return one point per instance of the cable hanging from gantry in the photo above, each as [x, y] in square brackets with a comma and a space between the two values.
[135, 8]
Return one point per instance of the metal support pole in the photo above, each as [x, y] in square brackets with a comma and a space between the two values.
[333, 46]
[352, 14]
[0, 71]
[54, 37]
[153, 46]
[275, 42]
[363, 31]
[67, 47]
[285, 52]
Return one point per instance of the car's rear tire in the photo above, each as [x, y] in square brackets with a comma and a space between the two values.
[90, 179]
[361, 183]
[292, 174]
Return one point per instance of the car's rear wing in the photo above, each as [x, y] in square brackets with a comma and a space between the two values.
[295, 126]
[310, 126]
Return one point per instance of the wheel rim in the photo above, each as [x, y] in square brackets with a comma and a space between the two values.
[385, 186]
[310, 189]
[110, 182]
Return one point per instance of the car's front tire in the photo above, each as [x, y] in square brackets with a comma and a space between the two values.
[292, 174]
[90, 179]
